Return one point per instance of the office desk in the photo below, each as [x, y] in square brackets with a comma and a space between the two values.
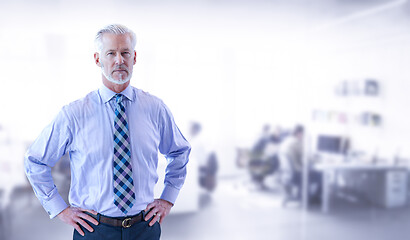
[382, 185]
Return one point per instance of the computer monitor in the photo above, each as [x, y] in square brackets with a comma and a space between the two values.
[331, 144]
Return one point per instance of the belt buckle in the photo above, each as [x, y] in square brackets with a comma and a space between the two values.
[126, 223]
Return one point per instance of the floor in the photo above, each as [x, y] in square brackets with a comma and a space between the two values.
[236, 211]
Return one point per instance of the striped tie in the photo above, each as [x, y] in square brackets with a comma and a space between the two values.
[124, 195]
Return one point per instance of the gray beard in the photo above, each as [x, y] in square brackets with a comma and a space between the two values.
[111, 79]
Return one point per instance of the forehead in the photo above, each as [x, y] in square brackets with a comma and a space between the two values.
[116, 41]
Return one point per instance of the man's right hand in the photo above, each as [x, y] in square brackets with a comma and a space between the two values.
[75, 217]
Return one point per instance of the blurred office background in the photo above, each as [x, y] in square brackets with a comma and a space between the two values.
[239, 76]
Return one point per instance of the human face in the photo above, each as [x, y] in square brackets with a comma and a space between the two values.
[116, 58]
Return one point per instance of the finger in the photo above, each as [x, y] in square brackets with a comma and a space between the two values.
[77, 227]
[150, 214]
[85, 225]
[89, 218]
[154, 219]
[161, 218]
[149, 206]
[90, 211]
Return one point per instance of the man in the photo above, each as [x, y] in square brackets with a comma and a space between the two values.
[293, 150]
[113, 136]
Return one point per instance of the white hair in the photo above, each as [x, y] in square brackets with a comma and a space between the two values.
[117, 29]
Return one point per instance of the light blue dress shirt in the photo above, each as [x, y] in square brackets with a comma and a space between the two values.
[85, 129]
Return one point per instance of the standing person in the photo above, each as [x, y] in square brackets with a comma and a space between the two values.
[113, 136]
[293, 150]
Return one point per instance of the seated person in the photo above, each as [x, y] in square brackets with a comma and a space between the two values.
[263, 159]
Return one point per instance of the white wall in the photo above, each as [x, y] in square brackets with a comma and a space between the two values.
[375, 46]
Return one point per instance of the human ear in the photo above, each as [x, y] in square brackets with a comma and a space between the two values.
[97, 59]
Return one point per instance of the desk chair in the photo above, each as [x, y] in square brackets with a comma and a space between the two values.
[258, 165]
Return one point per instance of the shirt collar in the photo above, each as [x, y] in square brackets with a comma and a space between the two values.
[107, 94]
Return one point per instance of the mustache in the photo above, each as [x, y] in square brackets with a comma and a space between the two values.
[120, 67]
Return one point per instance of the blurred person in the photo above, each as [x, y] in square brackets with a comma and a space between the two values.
[263, 159]
[207, 173]
[269, 137]
[113, 136]
[263, 139]
[207, 161]
[293, 150]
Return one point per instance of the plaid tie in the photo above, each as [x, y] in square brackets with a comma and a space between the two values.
[124, 195]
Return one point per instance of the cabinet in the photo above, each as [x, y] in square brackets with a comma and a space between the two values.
[387, 188]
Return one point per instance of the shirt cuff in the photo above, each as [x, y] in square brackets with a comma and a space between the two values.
[54, 206]
[170, 194]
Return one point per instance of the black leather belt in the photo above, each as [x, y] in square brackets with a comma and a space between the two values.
[124, 222]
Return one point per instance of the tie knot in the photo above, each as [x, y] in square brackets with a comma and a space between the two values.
[118, 98]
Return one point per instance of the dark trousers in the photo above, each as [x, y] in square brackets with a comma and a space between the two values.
[138, 231]
[315, 178]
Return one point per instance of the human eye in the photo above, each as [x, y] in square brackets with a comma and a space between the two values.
[126, 54]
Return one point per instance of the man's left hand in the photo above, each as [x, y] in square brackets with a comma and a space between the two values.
[159, 208]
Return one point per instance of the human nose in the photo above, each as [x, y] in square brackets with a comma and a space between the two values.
[119, 59]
